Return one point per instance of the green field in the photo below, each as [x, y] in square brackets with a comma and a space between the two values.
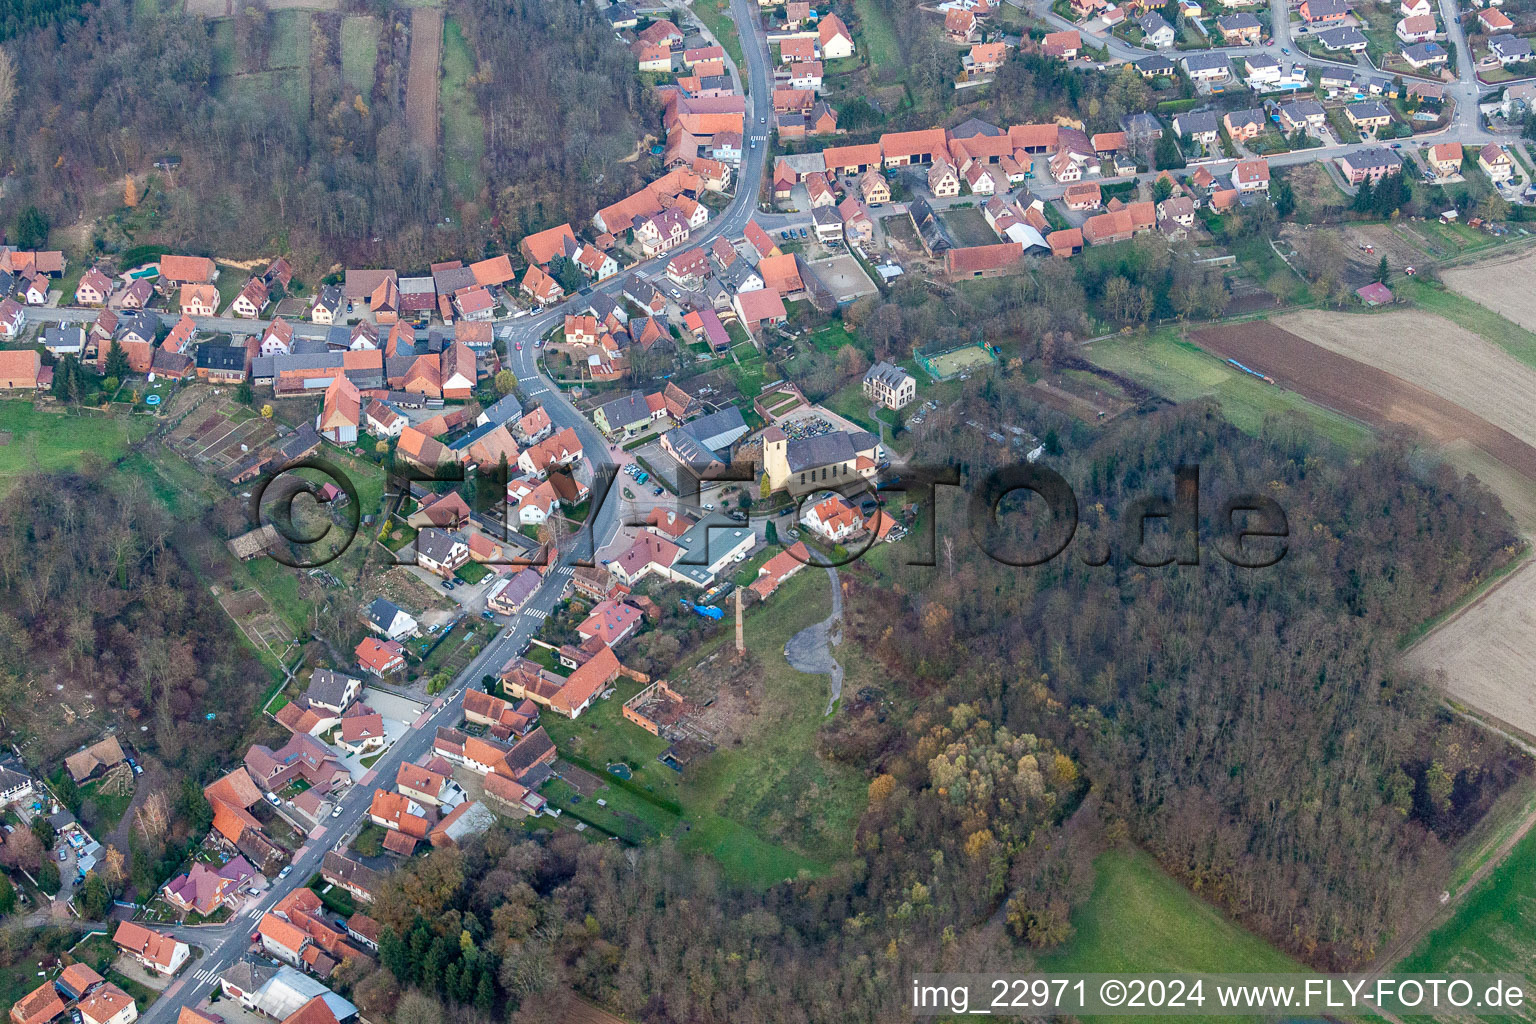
[1182, 372]
[359, 51]
[463, 130]
[765, 810]
[715, 14]
[1494, 929]
[876, 36]
[1140, 920]
[47, 441]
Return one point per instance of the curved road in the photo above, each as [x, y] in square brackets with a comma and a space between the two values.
[227, 942]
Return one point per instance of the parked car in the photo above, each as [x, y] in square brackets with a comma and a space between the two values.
[337, 812]
[802, 232]
[657, 491]
[287, 870]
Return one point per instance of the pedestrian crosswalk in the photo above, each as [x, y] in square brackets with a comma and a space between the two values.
[535, 614]
[205, 975]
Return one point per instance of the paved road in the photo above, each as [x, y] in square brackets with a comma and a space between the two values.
[226, 943]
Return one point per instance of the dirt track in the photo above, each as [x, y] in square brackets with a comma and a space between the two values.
[1436, 355]
[1506, 286]
[421, 80]
[1361, 391]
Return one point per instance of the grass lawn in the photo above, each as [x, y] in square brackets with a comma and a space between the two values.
[1480, 320]
[877, 36]
[46, 441]
[1140, 920]
[622, 813]
[747, 370]
[1494, 929]
[769, 808]
[109, 807]
[359, 51]
[832, 338]
[463, 130]
[1181, 371]
[472, 572]
[715, 14]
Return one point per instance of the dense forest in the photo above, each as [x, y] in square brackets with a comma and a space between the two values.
[1251, 728]
[97, 605]
[131, 84]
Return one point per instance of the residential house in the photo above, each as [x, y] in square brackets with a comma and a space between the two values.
[39, 1006]
[330, 306]
[199, 300]
[1061, 45]
[108, 1005]
[159, 953]
[251, 301]
[1510, 49]
[1239, 29]
[1244, 125]
[1199, 125]
[1370, 164]
[984, 58]
[95, 288]
[1303, 115]
[1206, 67]
[1417, 29]
[359, 880]
[205, 888]
[1323, 12]
[1424, 55]
[611, 622]
[440, 552]
[833, 519]
[1368, 116]
[13, 318]
[835, 39]
[1083, 196]
[380, 657]
[1342, 37]
[889, 385]
[362, 731]
[1155, 30]
[1251, 176]
[1444, 158]
[943, 182]
[1496, 163]
[1493, 21]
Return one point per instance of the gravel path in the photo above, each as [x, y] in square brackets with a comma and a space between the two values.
[810, 650]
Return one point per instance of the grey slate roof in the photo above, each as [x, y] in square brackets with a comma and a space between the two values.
[805, 453]
[629, 409]
[719, 429]
[1196, 121]
[327, 687]
[436, 544]
[382, 612]
[503, 409]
